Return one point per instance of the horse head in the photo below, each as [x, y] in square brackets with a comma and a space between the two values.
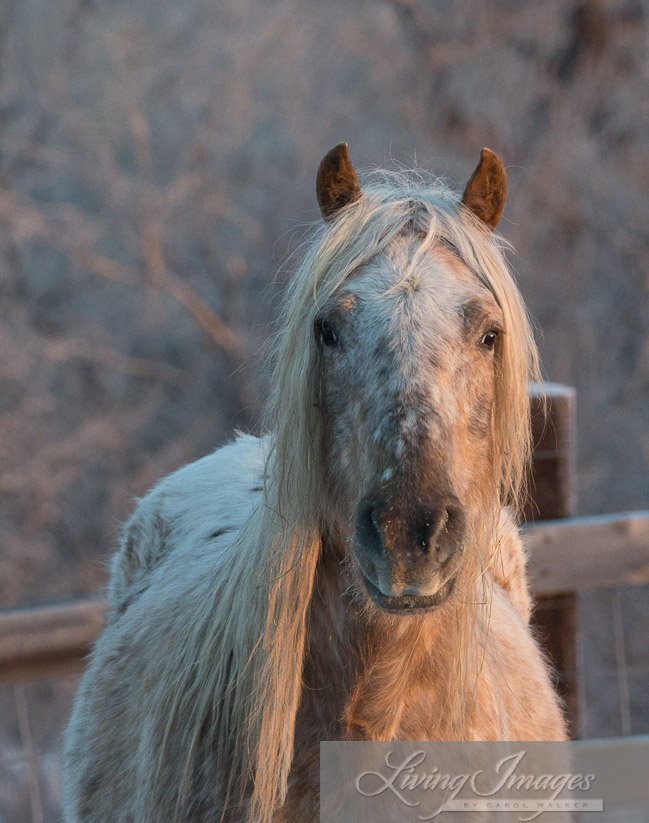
[409, 346]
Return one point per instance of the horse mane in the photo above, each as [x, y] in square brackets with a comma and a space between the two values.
[240, 684]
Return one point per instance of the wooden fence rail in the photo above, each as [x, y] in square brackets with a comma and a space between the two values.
[582, 553]
[44, 641]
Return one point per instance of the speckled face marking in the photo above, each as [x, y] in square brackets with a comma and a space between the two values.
[408, 362]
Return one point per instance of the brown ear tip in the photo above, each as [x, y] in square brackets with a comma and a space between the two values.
[341, 149]
[491, 157]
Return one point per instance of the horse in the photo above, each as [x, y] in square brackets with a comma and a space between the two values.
[356, 572]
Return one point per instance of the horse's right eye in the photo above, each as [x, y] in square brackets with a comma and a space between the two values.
[325, 332]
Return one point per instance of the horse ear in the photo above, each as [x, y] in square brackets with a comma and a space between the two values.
[336, 184]
[486, 191]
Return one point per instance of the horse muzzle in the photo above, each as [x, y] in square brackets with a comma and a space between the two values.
[408, 552]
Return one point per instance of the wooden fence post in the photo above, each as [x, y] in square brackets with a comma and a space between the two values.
[552, 496]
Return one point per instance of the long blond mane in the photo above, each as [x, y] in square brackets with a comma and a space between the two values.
[244, 686]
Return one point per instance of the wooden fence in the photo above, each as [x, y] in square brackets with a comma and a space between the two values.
[567, 555]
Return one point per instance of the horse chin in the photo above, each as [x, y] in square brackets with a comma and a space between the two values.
[409, 604]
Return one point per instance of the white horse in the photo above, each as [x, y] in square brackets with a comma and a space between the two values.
[355, 574]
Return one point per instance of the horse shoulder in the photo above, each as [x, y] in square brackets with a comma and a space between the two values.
[533, 708]
[520, 675]
[200, 507]
[509, 566]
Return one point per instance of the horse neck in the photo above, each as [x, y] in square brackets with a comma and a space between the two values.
[366, 670]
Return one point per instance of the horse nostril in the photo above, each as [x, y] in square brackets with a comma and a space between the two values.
[450, 535]
[368, 527]
[439, 531]
[426, 530]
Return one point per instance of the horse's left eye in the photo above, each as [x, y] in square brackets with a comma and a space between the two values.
[326, 333]
[489, 340]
